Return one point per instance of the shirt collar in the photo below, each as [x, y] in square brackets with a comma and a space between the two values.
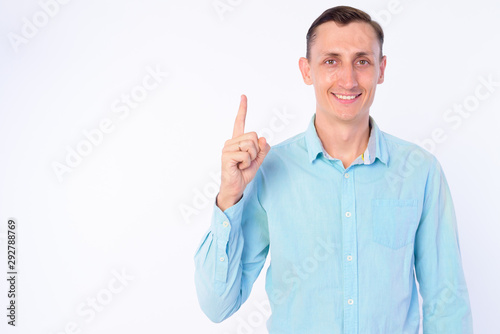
[376, 148]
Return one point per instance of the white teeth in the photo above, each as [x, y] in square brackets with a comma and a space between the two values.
[346, 97]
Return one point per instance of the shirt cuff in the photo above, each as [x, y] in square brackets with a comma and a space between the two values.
[225, 221]
[225, 224]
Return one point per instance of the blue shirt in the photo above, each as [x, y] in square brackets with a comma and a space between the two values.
[346, 244]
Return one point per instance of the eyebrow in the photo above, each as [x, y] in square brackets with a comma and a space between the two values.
[357, 54]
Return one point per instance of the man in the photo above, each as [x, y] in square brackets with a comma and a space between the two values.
[347, 211]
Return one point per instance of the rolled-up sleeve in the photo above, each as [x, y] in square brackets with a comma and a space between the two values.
[438, 264]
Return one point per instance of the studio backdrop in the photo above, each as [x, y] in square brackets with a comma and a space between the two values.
[113, 115]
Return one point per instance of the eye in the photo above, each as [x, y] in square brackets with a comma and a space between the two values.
[330, 61]
[363, 62]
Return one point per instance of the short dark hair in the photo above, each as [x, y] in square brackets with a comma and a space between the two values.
[343, 15]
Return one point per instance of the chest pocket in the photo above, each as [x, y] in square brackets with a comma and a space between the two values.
[394, 221]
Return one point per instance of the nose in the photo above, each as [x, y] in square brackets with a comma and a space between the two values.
[347, 77]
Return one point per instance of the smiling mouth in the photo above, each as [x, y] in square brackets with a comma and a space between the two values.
[346, 97]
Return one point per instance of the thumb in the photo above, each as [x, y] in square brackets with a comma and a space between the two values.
[264, 149]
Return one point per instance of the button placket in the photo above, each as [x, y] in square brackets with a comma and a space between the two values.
[349, 251]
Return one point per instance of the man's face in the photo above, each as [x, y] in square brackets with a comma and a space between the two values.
[345, 68]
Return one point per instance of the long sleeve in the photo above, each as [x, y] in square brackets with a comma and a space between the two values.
[231, 255]
[438, 264]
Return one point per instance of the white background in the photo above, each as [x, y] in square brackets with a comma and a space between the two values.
[141, 199]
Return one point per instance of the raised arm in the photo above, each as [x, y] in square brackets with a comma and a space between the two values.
[234, 249]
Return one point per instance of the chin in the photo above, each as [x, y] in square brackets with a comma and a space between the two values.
[346, 116]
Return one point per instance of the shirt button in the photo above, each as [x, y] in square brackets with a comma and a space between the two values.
[222, 259]
[349, 258]
[225, 224]
[350, 302]
[346, 175]
[348, 214]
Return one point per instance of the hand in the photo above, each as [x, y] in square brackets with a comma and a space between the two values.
[242, 156]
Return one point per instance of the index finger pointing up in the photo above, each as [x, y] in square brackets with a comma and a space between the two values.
[239, 123]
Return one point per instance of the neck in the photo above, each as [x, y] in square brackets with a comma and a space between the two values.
[343, 140]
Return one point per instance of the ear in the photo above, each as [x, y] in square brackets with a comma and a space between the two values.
[383, 63]
[305, 69]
